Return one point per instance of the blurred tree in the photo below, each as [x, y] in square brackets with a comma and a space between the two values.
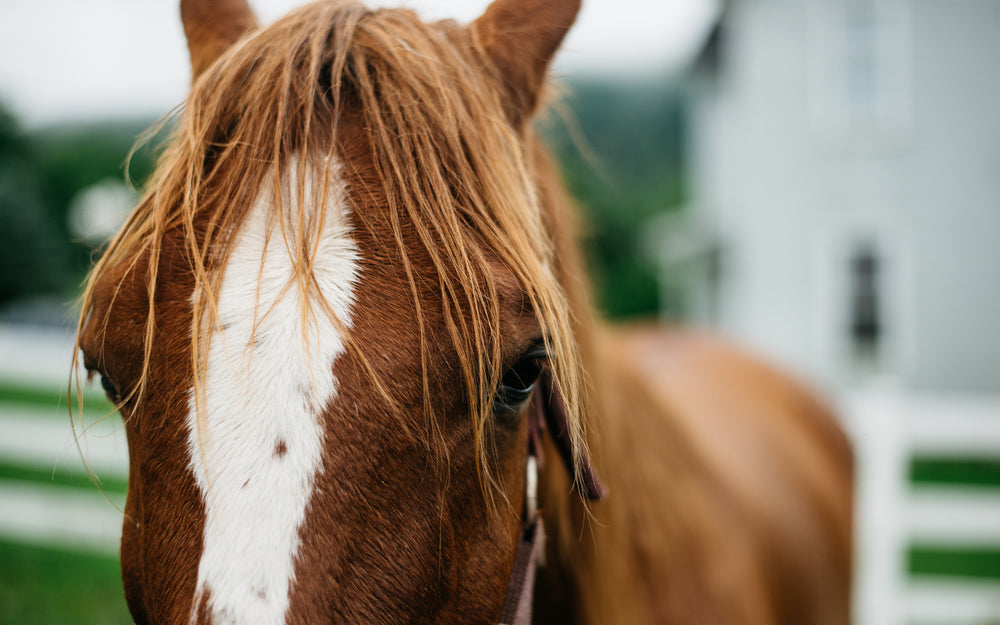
[75, 157]
[40, 174]
[33, 255]
[634, 131]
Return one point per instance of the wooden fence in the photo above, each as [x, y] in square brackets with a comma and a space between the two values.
[895, 516]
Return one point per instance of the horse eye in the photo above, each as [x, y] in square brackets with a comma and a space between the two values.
[110, 390]
[522, 376]
[518, 383]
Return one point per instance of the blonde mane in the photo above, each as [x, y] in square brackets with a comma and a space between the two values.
[452, 167]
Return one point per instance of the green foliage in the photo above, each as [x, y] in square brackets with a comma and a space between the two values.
[72, 158]
[40, 174]
[633, 133]
[76, 156]
[33, 257]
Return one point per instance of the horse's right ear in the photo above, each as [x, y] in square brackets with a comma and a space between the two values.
[520, 37]
[211, 27]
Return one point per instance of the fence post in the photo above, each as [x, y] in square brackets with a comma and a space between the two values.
[876, 420]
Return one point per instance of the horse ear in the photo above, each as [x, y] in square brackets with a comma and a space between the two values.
[212, 26]
[520, 37]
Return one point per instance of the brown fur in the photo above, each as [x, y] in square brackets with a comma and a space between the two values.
[739, 507]
[725, 507]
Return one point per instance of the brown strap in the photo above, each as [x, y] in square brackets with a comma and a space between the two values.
[554, 413]
[521, 589]
[547, 411]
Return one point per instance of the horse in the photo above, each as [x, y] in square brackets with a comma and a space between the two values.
[349, 333]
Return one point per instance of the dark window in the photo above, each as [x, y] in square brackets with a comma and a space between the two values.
[865, 311]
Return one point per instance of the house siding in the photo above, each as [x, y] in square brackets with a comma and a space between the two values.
[793, 176]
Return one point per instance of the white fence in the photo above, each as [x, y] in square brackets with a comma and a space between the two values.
[891, 427]
[41, 439]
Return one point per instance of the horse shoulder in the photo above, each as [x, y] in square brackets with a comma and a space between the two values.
[758, 470]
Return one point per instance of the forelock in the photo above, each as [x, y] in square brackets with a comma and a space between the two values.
[449, 163]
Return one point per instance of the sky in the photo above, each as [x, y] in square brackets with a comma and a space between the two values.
[66, 60]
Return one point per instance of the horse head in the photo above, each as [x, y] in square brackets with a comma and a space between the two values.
[325, 322]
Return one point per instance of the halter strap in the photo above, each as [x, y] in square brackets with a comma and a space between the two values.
[546, 410]
[551, 413]
[517, 605]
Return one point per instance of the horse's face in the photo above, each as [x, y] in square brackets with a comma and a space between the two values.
[302, 371]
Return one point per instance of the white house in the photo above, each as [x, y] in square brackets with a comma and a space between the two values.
[846, 160]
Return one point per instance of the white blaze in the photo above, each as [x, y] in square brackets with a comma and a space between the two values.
[268, 378]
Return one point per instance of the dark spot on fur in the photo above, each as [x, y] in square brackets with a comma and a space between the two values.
[280, 449]
[204, 613]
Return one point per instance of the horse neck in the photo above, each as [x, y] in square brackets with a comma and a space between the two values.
[589, 546]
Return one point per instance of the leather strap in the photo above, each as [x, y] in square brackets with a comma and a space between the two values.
[547, 410]
[517, 606]
[554, 418]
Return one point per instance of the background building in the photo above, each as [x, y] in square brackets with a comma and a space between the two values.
[844, 165]
[846, 156]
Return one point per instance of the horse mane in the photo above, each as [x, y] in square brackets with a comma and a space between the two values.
[452, 167]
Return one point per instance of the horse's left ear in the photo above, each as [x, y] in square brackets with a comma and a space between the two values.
[520, 37]
[211, 27]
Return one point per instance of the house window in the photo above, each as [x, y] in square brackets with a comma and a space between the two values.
[861, 64]
[865, 316]
[860, 70]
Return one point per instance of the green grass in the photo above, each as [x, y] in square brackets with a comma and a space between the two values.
[61, 476]
[954, 562]
[43, 586]
[979, 472]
